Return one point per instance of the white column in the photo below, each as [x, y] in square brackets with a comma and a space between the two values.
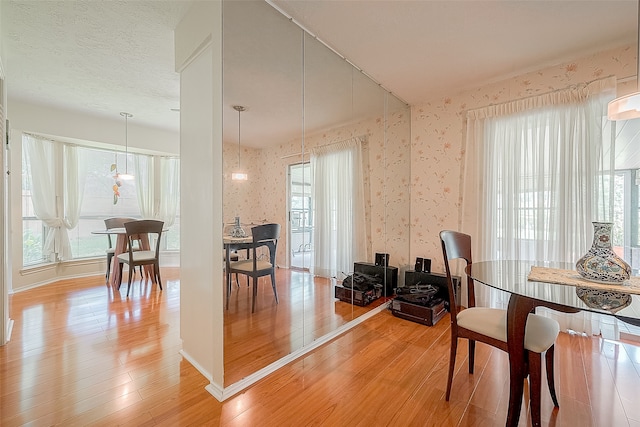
[198, 52]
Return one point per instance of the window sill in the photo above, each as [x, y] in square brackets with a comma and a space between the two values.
[38, 268]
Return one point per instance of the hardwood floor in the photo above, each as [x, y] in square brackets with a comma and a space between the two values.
[254, 340]
[81, 354]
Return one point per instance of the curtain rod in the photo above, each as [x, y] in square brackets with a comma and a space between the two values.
[547, 93]
[362, 137]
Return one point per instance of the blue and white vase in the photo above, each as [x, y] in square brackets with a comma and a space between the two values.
[237, 230]
[600, 263]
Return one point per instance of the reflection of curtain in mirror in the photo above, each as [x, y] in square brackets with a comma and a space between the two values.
[536, 177]
[337, 190]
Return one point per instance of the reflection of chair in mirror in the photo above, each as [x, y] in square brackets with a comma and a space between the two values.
[144, 256]
[489, 325]
[266, 235]
[109, 224]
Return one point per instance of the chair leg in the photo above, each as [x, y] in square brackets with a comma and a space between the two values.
[156, 270]
[452, 364]
[472, 355]
[120, 268]
[109, 258]
[535, 380]
[273, 285]
[131, 272]
[229, 287]
[255, 293]
[551, 375]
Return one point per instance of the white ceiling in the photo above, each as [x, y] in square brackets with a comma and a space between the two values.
[103, 57]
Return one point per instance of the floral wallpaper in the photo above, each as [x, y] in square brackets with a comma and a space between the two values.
[414, 180]
[438, 127]
[264, 196]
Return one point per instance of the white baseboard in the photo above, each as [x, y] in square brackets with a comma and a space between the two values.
[196, 365]
[225, 392]
[8, 332]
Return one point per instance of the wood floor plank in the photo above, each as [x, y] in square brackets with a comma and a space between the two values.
[92, 357]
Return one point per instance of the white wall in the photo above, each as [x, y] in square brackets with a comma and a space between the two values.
[67, 125]
[198, 41]
[4, 277]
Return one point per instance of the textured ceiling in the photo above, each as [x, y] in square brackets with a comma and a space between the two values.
[100, 57]
[103, 57]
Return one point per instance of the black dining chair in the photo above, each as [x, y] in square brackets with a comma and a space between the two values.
[145, 256]
[489, 325]
[263, 236]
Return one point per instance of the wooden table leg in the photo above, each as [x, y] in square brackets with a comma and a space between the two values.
[517, 313]
[120, 248]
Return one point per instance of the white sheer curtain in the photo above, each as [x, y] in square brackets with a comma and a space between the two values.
[145, 189]
[158, 194]
[169, 191]
[43, 160]
[538, 172]
[337, 190]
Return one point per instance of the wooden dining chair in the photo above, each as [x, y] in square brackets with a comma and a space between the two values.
[144, 256]
[489, 325]
[109, 224]
[265, 235]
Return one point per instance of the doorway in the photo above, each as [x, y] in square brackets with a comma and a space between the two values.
[300, 217]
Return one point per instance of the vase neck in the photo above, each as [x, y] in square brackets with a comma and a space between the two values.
[602, 235]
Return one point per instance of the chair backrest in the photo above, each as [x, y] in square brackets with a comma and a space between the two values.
[110, 223]
[144, 226]
[456, 245]
[266, 235]
[116, 222]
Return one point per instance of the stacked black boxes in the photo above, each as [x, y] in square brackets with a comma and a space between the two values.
[433, 308]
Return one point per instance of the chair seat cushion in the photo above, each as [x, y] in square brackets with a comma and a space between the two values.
[540, 333]
[138, 256]
[110, 251]
[247, 265]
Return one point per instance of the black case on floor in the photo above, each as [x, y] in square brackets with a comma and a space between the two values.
[413, 278]
[388, 274]
[356, 297]
[426, 315]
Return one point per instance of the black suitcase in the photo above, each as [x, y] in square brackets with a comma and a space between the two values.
[426, 315]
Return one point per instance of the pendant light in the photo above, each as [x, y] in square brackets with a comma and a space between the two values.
[126, 175]
[238, 175]
[628, 106]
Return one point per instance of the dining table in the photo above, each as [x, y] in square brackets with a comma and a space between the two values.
[120, 247]
[556, 286]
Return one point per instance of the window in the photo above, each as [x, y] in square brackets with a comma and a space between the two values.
[32, 227]
[97, 201]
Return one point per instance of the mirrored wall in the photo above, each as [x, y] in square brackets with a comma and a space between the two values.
[303, 103]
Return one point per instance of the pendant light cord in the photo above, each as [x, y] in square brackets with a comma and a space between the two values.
[126, 140]
[239, 109]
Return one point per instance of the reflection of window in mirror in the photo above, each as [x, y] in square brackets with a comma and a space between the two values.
[300, 216]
